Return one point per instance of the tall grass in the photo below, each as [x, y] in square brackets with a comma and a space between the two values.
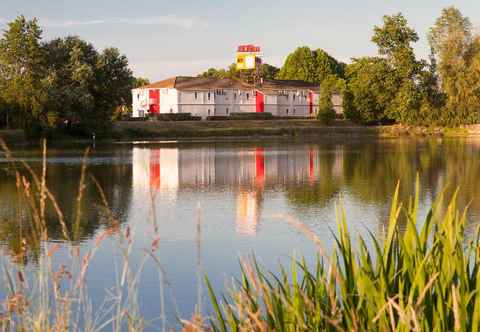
[423, 276]
[53, 296]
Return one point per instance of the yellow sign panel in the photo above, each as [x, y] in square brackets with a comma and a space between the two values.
[246, 61]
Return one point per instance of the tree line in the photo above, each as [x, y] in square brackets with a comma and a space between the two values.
[62, 83]
[395, 86]
[67, 83]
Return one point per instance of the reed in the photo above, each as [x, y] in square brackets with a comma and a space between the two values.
[53, 296]
[422, 276]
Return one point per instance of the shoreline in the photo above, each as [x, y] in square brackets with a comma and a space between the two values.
[127, 131]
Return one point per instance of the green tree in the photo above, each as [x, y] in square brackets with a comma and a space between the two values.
[87, 87]
[309, 66]
[371, 86]
[22, 78]
[454, 47]
[138, 82]
[330, 85]
[114, 81]
[268, 71]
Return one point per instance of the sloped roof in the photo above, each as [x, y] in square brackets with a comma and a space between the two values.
[168, 83]
[198, 83]
[207, 83]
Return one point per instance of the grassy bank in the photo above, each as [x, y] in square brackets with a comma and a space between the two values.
[192, 130]
[236, 128]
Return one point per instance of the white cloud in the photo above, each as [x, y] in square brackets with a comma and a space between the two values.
[171, 20]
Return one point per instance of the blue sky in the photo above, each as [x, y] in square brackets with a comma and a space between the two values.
[166, 38]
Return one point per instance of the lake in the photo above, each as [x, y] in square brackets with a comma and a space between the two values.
[200, 207]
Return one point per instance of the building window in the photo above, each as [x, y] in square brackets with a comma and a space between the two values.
[287, 110]
[209, 96]
[208, 111]
[248, 96]
[138, 96]
[293, 111]
[171, 111]
[235, 96]
[196, 95]
[227, 110]
[293, 97]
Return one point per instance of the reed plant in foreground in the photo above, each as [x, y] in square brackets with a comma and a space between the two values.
[55, 297]
[422, 276]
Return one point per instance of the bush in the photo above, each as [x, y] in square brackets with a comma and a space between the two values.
[326, 113]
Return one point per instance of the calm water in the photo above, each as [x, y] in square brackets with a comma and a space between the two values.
[241, 194]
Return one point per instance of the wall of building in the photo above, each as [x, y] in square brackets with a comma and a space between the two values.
[203, 103]
[140, 102]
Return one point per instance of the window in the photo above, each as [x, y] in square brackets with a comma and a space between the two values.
[196, 95]
[293, 97]
[248, 96]
[171, 111]
[208, 111]
[227, 110]
[209, 96]
[235, 96]
[138, 96]
[293, 111]
[287, 110]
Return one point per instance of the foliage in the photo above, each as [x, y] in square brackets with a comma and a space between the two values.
[310, 66]
[22, 72]
[371, 86]
[44, 84]
[330, 85]
[267, 71]
[423, 276]
[457, 54]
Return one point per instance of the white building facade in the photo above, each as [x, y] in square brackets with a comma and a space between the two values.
[206, 97]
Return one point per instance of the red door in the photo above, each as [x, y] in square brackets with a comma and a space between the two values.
[260, 102]
[154, 98]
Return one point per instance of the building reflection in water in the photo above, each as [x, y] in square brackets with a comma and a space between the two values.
[247, 172]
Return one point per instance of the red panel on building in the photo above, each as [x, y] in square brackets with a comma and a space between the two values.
[310, 102]
[260, 102]
[154, 96]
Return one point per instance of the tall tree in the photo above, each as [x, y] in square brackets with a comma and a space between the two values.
[114, 81]
[87, 87]
[22, 78]
[452, 42]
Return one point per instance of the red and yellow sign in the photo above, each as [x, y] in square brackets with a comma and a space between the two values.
[247, 57]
